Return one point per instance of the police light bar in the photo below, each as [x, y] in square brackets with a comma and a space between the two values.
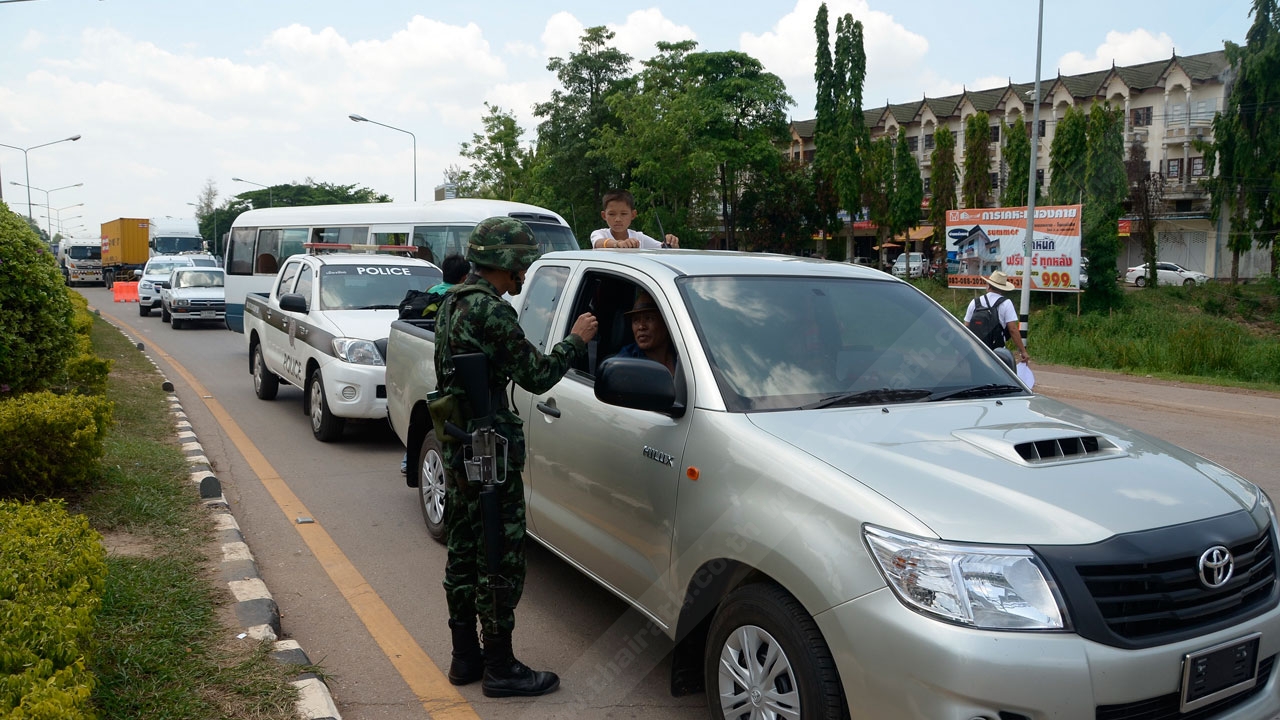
[353, 247]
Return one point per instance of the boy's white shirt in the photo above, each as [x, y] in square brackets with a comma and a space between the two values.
[605, 234]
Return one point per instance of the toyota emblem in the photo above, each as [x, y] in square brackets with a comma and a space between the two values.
[1216, 566]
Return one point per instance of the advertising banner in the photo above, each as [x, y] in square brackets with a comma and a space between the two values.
[990, 239]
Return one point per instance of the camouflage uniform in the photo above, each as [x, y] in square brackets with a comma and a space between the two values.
[475, 318]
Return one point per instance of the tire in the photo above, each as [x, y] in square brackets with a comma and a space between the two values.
[144, 310]
[1188, 283]
[265, 382]
[431, 486]
[1140, 281]
[177, 324]
[326, 426]
[109, 279]
[164, 313]
[771, 623]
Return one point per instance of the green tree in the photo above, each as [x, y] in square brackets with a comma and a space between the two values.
[1017, 159]
[854, 138]
[37, 336]
[1067, 158]
[908, 188]
[825, 132]
[1106, 188]
[1247, 141]
[977, 161]
[500, 166]
[779, 211]
[942, 184]
[877, 181]
[1146, 200]
[572, 121]
[743, 122]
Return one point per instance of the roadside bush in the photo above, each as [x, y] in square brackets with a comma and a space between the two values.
[52, 574]
[52, 443]
[85, 373]
[36, 328]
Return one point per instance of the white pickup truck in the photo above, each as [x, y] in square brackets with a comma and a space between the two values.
[843, 505]
[323, 328]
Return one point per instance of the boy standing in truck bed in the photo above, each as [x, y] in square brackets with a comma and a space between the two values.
[619, 210]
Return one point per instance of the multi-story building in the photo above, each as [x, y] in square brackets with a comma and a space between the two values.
[1167, 104]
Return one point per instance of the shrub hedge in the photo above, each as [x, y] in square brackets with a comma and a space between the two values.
[52, 443]
[36, 333]
[52, 573]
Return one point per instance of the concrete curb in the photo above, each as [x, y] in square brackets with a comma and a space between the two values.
[255, 609]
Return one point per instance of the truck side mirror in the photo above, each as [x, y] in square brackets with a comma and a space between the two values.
[635, 383]
[293, 302]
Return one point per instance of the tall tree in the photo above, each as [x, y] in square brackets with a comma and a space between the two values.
[1017, 161]
[942, 185]
[778, 211]
[573, 119]
[1247, 140]
[1067, 158]
[1146, 200]
[1105, 191]
[500, 165]
[977, 160]
[854, 138]
[908, 188]
[826, 135]
[877, 182]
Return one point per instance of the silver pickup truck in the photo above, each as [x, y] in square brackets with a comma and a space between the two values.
[842, 504]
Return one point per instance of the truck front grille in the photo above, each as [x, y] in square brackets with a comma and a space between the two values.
[1166, 707]
[1145, 588]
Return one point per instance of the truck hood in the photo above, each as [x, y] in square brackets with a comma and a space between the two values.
[363, 324]
[959, 468]
[197, 293]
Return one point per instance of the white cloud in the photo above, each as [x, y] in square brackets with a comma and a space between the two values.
[560, 35]
[31, 41]
[637, 36]
[1131, 48]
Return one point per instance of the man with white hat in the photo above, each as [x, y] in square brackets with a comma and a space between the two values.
[1003, 308]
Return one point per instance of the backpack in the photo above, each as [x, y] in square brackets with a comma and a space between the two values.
[985, 322]
[418, 304]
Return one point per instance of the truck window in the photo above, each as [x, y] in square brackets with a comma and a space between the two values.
[344, 235]
[287, 277]
[442, 240]
[305, 280]
[240, 256]
[538, 304]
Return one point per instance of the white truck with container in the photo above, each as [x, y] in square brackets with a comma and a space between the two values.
[841, 504]
[174, 236]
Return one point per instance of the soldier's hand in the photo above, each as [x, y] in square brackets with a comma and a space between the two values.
[585, 326]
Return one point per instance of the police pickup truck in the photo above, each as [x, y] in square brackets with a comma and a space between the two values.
[841, 504]
[323, 328]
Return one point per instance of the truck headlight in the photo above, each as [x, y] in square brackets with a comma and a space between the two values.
[145, 285]
[182, 302]
[357, 351]
[984, 586]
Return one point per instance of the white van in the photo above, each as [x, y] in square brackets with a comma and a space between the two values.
[909, 265]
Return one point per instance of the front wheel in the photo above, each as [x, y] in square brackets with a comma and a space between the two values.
[1188, 282]
[326, 426]
[431, 486]
[765, 658]
[1140, 281]
[144, 310]
[265, 382]
[164, 313]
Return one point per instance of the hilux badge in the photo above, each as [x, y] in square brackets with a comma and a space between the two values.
[1216, 566]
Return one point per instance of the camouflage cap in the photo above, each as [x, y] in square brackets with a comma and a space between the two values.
[502, 242]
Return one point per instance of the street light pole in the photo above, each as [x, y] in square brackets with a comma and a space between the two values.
[270, 202]
[361, 118]
[1024, 307]
[27, 165]
[47, 221]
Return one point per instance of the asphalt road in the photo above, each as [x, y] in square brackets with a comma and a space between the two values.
[359, 586]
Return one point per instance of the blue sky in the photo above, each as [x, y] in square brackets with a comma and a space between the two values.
[168, 95]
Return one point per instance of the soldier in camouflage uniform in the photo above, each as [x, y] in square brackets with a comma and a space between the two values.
[475, 318]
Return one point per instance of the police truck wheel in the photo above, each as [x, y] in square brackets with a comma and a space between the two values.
[326, 426]
[431, 485]
[765, 657]
[265, 382]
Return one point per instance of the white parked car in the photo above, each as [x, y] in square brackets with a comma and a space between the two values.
[1167, 273]
[194, 293]
[909, 265]
[155, 275]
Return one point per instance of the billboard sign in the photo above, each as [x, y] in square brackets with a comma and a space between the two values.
[990, 239]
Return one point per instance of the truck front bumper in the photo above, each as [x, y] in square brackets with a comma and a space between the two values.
[355, 391]
[897, 663]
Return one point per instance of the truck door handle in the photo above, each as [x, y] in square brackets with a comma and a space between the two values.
[551, 410]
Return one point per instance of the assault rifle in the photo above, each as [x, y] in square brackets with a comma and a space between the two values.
[480, 454]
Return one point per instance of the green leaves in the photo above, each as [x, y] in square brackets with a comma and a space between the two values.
[977, 160]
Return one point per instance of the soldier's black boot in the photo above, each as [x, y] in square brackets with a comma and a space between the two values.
[468, 660]
[505, 676]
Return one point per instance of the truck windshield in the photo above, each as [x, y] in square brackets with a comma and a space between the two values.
[198, 278]
[372, 287]
[85, 252]
[174, 245]
[779, 343]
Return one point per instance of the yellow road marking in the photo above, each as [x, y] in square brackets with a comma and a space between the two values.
[437, 695]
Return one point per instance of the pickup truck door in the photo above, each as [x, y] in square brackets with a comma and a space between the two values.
[276, 323]
[602, 480]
